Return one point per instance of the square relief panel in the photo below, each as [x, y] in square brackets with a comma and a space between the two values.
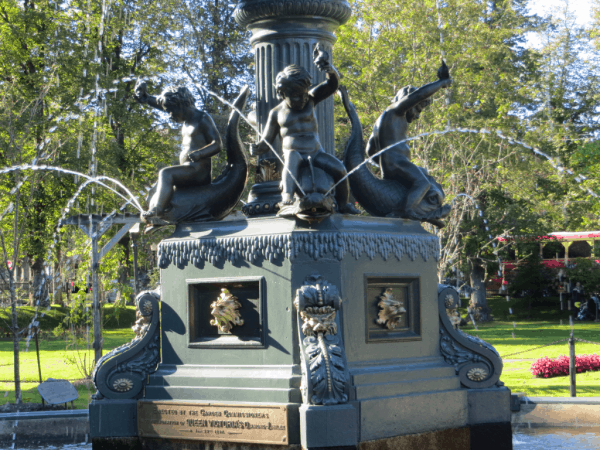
[393, 308]
[226, 312]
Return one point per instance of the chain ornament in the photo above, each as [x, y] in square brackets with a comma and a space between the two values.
[548, 345]
[536, 348]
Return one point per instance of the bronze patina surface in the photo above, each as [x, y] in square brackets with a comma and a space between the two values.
[260, 424]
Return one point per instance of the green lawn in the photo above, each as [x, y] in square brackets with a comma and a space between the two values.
[535, 333]
[56, 361]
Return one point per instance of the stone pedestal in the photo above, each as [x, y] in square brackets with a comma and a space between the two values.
[342, 323]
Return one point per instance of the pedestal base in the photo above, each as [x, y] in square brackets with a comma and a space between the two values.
[113, 418]
[328, 426]
[341, 323]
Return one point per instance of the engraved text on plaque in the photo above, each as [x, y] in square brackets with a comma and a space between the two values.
[265, 424]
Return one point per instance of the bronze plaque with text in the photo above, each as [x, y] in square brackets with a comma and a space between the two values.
[263, 424]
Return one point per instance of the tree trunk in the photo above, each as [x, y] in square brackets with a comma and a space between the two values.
[58, 298]
[68, 292]
[15, 334]
[124, 272]
[36, 279]
[478, 304]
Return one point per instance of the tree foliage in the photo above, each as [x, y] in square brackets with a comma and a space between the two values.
[507, 98]
[68, 70]
[532, 277]
[586, 272]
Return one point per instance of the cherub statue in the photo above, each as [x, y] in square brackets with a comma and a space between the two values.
[200, 141]
[186, 193]
[390, 131]
[295, 122]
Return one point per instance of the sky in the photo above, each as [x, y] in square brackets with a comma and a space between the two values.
[581, 8]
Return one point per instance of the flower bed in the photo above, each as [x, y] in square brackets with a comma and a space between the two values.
[547, 367]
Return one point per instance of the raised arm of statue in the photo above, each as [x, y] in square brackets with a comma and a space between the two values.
[412, 97]
[330, 85]
[140, 93]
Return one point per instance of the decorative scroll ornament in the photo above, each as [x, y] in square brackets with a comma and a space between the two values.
[225, 312]
[390, 310]
[476, 362]
[122, 373]
[325, 374]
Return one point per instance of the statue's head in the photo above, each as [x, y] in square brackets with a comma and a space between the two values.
[415, 111]
[292, 85]
[175, 99]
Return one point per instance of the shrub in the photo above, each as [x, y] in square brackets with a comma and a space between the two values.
[547, 367]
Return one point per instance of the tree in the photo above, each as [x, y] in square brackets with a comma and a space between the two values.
[391, 44]
[586, 272]
[502, 215]
[44, 61]
[17, 121]
[68, 71]
[201, 46]
[531, 278]
[562, 119]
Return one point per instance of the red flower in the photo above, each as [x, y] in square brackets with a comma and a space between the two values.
[546, 367]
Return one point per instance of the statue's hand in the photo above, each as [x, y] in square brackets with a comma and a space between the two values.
[321, 59]
[443, 74]
[140, 92]
[256, 150]
[191, 157]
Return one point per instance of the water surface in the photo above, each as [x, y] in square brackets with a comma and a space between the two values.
[550, 438]
[546, 438]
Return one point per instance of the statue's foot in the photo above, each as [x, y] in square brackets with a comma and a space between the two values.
[152, 213]
[287, 199]
[348, 208]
